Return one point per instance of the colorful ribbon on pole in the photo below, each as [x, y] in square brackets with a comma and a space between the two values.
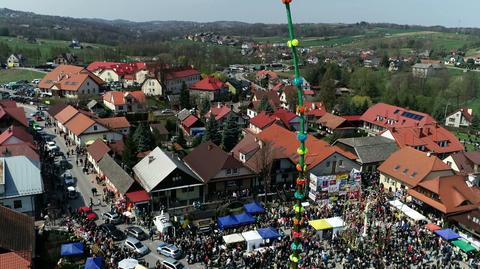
[302, 151]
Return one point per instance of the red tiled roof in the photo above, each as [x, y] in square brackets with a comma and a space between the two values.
[454, 194]
[122, 69]
[219, 112]
[208, 84]
[117, 146]
[263, 73]
[190, 121]
[23, 149]
[98, 149]
[262, 120]
[79, 124]
[286, 141]
[429, 136]
[114, 123]
[278, 87]
[402, 117]
[66, 114]
[331, 121]
[411, 166]
[118, 98]
[11, 260]
[16, 113]
[181, 74]
[285, 116]
[308, 92]
[8, 103]
[353, 117]
[272, 97]
[17, 132]
[68, 77]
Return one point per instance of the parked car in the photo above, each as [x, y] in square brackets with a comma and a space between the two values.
[112, 231]
[136, 246]
[68, 179]
[72, 192]
[170, 263]
[169, 250]
[136, 232]
[112, 218]
[51, 146]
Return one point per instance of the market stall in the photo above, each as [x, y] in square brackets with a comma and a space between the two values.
[408, 211]
[253, 239]
[244, 219]
[336, 223]
[254, 208]
[268, 234]
[94, 263]
[227, 222]
[233, 239]
[447, 234]
[72, 249]
[463, 245]
[432, 227]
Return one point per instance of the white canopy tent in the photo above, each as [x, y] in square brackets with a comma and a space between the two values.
[337, 224]
[408, 211]
[233, 238]
[253, 238]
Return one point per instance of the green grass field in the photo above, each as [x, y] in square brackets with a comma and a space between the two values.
[11, 75]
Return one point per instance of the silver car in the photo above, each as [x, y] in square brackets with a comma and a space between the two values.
[112, 217]
[137, 246]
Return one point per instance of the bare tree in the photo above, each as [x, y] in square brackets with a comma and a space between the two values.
[264, 162]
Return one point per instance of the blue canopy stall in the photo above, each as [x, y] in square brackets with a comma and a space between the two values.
[226, 222]
[72, 249]
[269, 233]
[447, 234]
[254, 208]
[94, 263]
[244, 219]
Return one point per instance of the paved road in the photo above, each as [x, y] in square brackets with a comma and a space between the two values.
[84, 185]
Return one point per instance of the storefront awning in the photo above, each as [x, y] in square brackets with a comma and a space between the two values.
[138, 196]
[464, 246]
[320, 224]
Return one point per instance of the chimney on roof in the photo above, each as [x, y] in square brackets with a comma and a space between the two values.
[150, 159]
[429, 154]
[209, 147]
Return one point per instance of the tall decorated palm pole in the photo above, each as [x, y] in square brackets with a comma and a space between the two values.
[302, 150]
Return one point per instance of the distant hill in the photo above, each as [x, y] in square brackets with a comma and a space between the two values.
[113, 32]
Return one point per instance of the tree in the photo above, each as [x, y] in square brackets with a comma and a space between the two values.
[143, 138]
[328, 93]
[181, 139]
[212, 131]
[264, 164]
[475, 122]
[184, 96]
[129, 155]
[265, 105]
[205, 106]
[231, 133]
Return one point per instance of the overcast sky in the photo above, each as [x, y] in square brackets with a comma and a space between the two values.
[451, 13]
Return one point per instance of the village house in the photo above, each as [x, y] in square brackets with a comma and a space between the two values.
[428, 182]
[17, 240]
[21, 149]
[160, 130]
[83, 130]
[315, 110]
[174, 79]
[277, 147]
[169, 181]
[209, 88]
[96, 151]
[125, 102]
[95, 107]
[116, 179]
[192, 126]
[333, 124]
[21, 185]
[371, 151]
[430, 138]
[255, 105]
[454, 59]
[221, 112]
[16, 135]
[282, 117]
[224, 172]
[16, 60]
[116, 124]
[63, 116]
[381, 116]
[460, 118]
[71, 82]
[11, 114]
[420, 70]
[464, 163]
[152, 87]
[128, 73]
[65, 58]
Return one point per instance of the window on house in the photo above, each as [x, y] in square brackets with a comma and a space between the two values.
[328, 164]
[235, 171]
[176, 178]
[340, 162]
[17, 204]
[229, 171]
[120, 107]
[242, 157]
[405, 171]
[95, 127]
[397, 167]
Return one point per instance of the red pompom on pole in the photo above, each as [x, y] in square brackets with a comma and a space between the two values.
[287, 2]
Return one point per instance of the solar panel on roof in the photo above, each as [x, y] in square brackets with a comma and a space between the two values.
[396, 111]
[412, 116]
